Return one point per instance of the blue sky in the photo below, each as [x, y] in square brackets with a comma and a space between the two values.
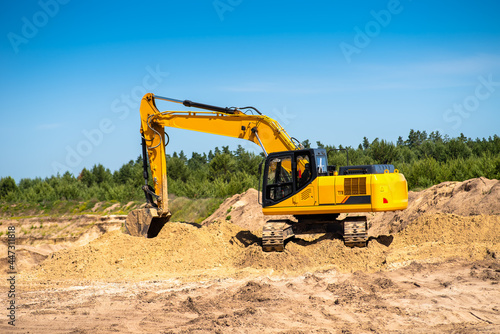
[73, 72]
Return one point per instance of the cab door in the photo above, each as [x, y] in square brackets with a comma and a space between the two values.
[305, 188]
[289, 179]
[278, 179]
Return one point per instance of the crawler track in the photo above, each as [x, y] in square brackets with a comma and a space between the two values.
[274, 234]
[355, 231]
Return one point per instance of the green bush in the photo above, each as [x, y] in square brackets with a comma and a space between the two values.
[424, 160]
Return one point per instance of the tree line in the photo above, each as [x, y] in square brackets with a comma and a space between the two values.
[424, 159]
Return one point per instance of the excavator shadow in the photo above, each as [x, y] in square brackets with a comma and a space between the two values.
[385, 240]
[247, 238]
[303, 242]
[192, 224]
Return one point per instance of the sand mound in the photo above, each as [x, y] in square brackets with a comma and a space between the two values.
[38, 237]
[478, 196]
[224, 250]
[451, 220]
[243, 210]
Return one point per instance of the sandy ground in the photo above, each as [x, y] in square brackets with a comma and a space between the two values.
[432, 268]
[452, 296]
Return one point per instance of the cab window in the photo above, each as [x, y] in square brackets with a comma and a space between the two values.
[303, 170]
[279, 178]
[321, 163]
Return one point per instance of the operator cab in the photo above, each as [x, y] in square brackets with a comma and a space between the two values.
[288, 172]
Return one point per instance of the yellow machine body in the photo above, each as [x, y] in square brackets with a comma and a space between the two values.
[345, 194]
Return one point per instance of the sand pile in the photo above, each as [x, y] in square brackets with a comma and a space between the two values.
[451, 220]
[472, 197]
[38, 237]
[243, 210]
[225, 250]
[479, 196]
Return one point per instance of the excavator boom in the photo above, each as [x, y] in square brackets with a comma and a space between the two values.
[231, 122]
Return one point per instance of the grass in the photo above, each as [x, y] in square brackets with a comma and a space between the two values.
[192, 210]
[62, 208]
[183, 209]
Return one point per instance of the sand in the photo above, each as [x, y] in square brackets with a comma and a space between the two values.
[433, 267]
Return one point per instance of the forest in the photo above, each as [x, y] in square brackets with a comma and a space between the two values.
[424, 159]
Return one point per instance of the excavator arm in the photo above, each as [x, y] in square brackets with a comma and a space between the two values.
[231, 122]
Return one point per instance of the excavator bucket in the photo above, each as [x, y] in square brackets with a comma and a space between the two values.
[145, 222]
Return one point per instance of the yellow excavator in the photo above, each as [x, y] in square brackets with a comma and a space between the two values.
[296, 181]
